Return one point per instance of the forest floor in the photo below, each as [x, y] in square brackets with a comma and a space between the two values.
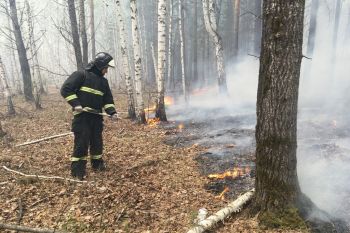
[149, 186]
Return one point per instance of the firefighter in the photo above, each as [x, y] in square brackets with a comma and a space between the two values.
[88, 93]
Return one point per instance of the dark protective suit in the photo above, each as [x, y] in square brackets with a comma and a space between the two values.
[89, 89]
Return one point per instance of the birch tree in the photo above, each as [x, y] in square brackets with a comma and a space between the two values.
[182, 51]
[83, 32]
[7, 92]
[211, 27]
[125, 61]
[161, 67]
[75, 34]
[140, 111]
[22, 53]
[92, 29]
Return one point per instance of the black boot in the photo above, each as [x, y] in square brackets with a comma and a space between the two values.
[78, 169]
[98, 165]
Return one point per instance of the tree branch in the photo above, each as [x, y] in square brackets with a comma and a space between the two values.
[26, 229]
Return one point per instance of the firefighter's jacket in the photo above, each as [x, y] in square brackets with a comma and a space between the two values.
[89, 89]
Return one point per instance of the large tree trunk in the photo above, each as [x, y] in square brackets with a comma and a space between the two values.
[22, 53]
[140, 112]
[182, 51]
[161, 67]
[211, 27]
[236, 17]
[83, 33]
[277, 187]
[7, 92]
[125, 61]
[92, 29]
[277, 184]
[75, 34]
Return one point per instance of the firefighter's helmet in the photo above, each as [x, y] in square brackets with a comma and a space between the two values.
[103, 60]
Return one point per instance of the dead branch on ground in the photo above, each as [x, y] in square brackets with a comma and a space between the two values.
[43, 177]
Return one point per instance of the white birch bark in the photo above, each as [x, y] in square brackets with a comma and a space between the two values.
[233, 207]
[125, 61]
[210, 25]
[182, 51]
[7, 92]
[161, 67]
[140, 113]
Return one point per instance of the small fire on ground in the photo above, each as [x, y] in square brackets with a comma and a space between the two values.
[153, 121]
[236, 172]
[222, 194]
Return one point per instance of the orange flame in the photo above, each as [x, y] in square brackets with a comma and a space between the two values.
[153, 122]
[168, 100]
[222, 194]
[236, 172]
[180, 127]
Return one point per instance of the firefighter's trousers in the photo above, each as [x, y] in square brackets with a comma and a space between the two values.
[87, 130]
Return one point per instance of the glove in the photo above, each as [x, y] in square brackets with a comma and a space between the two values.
[114, 117]
[78, 108]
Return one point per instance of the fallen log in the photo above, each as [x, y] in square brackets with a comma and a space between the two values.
[233, 207]
[44, 139]
[42, 177]
[26, 229]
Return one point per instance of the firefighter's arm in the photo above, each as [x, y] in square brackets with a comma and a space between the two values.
[71, 86]
[108, 102]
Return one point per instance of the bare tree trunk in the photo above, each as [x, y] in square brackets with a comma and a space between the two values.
[278, 193]
[124, 52]
[160, 110]
[211, 26]
[312, 28]
[22, 53]
[92, 29]
[75, 34]
[7, 91]
[335, 31]
[195, 46]
[140, 110]
[83, 33]
[257, 27]
[236, 17]
[182, 51]
[15, 71]
[33, 49]
[170, 49]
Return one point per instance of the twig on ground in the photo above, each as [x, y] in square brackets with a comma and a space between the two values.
[120, 214]
[20, 211]
[2, 183]
[43, 177]
[44, 139]
[26, 229]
